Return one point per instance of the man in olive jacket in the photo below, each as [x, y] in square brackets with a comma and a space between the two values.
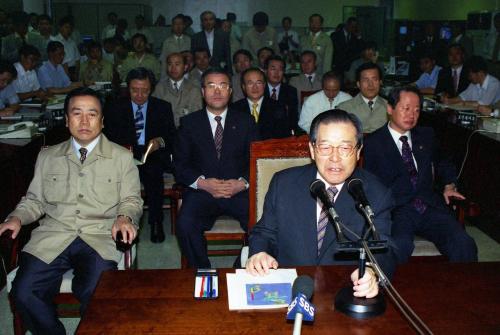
[85, 190]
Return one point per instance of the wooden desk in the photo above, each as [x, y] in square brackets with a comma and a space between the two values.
[450, 298]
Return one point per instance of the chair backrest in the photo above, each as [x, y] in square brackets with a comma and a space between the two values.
[305, 94]
[268, 157]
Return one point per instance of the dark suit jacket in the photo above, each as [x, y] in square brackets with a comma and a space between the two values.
[288, 227]
[445, 82]
[119, 126]
[273, 122]
[382, 158]
[221, 49]
[288, 98]
[344, 52]
[195, 152]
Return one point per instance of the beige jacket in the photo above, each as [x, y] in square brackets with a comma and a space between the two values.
[80, 200]
[371, 120]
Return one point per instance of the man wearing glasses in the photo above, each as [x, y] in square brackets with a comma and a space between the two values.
[293, 231]
[211, 158]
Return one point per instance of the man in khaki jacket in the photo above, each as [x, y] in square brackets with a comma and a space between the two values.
[87, 190]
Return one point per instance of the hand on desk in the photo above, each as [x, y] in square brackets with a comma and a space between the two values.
[366, 286]
[450, 191]
[9, 111]
[484, 110]
[125, 226]
[260, 263]
[12, 223]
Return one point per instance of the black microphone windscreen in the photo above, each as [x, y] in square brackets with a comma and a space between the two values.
[317, 186]
[303, 284]
[354, 185]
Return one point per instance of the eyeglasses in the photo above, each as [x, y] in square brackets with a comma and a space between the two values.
[344, 150]
[220, 86]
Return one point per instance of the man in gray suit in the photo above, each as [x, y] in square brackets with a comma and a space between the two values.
[260, 36]
[183, 95]
[177, 42]
[85, 190]
[308, 80]
[368, 106]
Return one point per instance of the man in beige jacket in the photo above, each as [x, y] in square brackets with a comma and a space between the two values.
[85, 190]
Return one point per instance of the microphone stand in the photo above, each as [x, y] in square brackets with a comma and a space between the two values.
[345, 301]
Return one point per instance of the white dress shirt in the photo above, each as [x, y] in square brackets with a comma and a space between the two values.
[396, 136]
[318, 103]
[26, 81]
[319, 204]
[71, 53]
[486, 93]
[210, 41]
[89, 147]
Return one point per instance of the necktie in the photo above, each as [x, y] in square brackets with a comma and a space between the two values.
[273, 95]
[323, 217]
[139, 122]
[412, 170]
[370, 104]
[178, 39]
[455, 81]
[255, 114]
[176, 87]
[310, 80]
[330, 100]
[218, 136]
[83, 154]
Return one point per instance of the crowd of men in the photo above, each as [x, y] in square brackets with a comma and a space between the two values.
[196, 108]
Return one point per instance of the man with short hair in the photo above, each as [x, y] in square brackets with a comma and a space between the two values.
[328, 98]
[26, 84]
[142, 121]
[367, 105]
[281, 92]
[242, 60]
[9, 101]
[262, 55]
[346, 44]
[84, 191]
[369, 54]
[214, 40]
[484, 89]
[318, 42]
[176, 42]
[288, 39]
[19, 37]
[109, 29]
[270, 116]
[182, 94]
[71, 61]
[95, 68]
[140, 58]
[452, 80]
[202, 63]
[211, 158]
[260, 35]
[308, 80]
[427, 81]
[51, 74]
[405, 158]
[294, 229]
[140, 28]
[44, 35]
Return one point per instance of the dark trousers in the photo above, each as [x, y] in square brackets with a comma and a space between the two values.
[438, 226]
[198, 214]
[37, 283]
[151, 175]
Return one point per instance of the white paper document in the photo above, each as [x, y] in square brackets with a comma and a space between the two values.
[274, 290]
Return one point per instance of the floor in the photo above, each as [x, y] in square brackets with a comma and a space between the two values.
[167, 256]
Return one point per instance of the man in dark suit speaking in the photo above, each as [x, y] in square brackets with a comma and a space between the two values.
[212, 157]
[294, 231]
[405, 159]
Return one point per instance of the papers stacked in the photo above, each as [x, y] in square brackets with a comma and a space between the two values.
[245, 291]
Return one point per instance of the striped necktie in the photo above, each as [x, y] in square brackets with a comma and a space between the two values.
[83, 154]
[407, 155]
[324, 218]
[218, 136]
[139, 122]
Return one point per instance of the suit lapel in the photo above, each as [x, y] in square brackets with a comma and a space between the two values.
[392, 150]
[206, 135]
[418, 149]
[230, 134]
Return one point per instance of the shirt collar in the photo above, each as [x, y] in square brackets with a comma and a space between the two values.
[179, 82]
[144, 106]
[277, 87]
[212, 116]
[20, 69]
[396, 135]
[327, 185]
[89, 147]
[366, 100]
[484, 85]
[259, 103]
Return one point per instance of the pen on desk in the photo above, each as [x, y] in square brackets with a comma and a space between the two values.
[362, 263]
[201, 288]
[210, 282]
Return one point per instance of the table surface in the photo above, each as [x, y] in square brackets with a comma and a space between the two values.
[450, 298]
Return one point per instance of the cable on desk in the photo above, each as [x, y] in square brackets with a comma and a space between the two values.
[467, 150]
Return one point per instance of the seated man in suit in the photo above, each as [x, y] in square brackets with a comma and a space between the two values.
[242, 60]
[328, 98]
[9, 101]
[142, 121]
[270, 116]
[368, 106]
[214, 40]
[201, 63]
[51, 74]
[211, 158]
[85, 190]
[294, 229]
[308, 80]
[283, 93]
[427, 81]
[484, 89]
[405, 158]
[452, 80]
[183, 95]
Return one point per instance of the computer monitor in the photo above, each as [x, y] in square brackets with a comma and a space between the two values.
[445, 33]
[403, 30]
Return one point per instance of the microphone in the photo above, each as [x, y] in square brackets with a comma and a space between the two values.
[355, 187]
[318, 189]
[300, 308]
